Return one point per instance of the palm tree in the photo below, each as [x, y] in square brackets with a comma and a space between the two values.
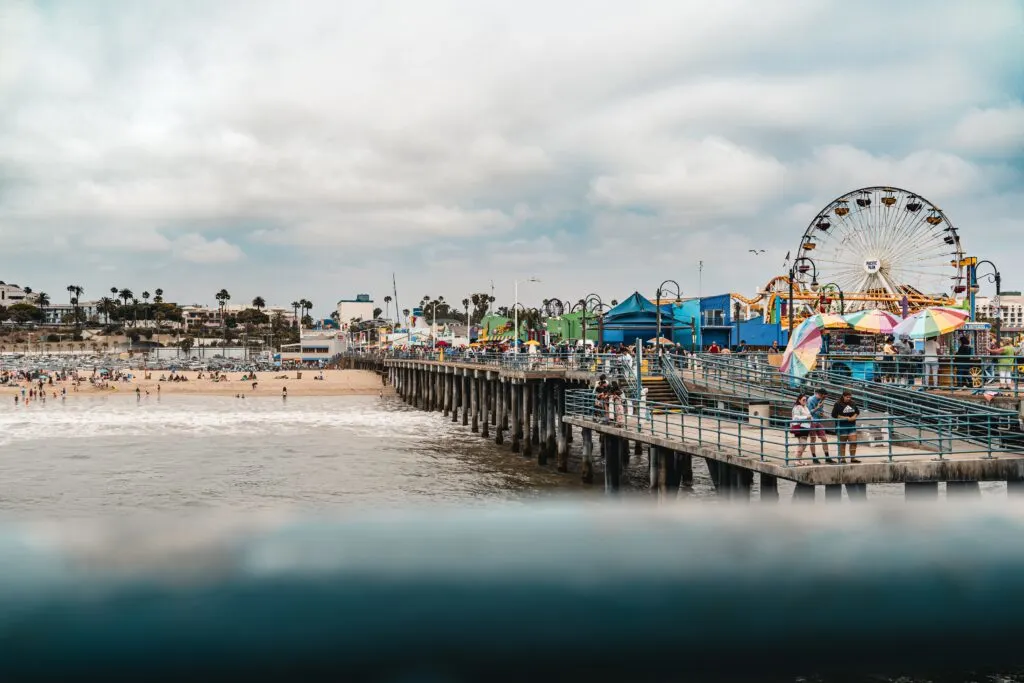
[222, 298]
[135, 311]
[106, 307]
[125, 295]
[306, 306]
[159, 298]
[259, 303]
[76, 292]
[145, 297]
[387, 307]
[295, 312]
[469, 316]
[43, 300]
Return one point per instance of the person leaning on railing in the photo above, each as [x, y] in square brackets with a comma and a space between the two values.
[845, 413]
[800, 426]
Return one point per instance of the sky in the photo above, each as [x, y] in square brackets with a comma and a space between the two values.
[310, 150]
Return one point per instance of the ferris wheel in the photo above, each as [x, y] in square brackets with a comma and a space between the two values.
[879, 245]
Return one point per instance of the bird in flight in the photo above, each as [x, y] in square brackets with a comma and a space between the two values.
[755, 252]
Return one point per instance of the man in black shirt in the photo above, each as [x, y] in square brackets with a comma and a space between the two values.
[845, 413]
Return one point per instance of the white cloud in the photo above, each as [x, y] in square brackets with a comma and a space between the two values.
[996, 130]
[195, 248]
[540, 132]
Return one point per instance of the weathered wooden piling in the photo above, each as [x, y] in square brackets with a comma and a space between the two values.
[587, 468]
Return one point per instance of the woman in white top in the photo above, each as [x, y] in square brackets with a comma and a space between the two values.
[800, 426]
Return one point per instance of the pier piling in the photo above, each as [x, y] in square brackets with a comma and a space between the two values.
[587, 469]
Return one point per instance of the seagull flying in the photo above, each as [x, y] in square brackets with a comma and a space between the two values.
[755, 252]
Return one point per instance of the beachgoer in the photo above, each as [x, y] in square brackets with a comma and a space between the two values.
[845, 413]
[714, 348]
[816, 404]
[800, 426]
[284, 392]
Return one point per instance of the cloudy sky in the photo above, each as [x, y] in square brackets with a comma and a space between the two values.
[311, 149]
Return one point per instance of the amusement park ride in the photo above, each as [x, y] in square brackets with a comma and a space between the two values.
[876, 247]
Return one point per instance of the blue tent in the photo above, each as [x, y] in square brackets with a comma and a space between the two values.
[635, 317]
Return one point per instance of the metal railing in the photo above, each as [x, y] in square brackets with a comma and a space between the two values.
[752, 381]
[671, 373]
[885, 437]
[971, 373]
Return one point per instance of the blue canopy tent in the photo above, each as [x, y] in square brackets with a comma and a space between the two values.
[637, 317]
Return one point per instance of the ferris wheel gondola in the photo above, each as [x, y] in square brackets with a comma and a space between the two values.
[885, 244]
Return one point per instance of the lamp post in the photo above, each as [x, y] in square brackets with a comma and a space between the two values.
[792, 277]
[839, 293]
[591, 302]
[515, 310]
[996, 277]
[433, 323]
[661, 288]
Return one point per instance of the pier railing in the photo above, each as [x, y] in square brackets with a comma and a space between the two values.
[974, 374]
[752, 381]
[877, 438]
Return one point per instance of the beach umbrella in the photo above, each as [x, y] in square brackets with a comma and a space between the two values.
[661, 341]
[932, 322]
[801, 354]
[829, 321]
[873, 320]
[533, 342]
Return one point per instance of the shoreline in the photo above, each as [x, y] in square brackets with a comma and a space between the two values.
[268, 384]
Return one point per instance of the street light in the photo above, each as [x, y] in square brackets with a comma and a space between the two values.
[828, 286]
[679, 294]
[997, 278]
[792, 277]
[515, 310]
[433, 324]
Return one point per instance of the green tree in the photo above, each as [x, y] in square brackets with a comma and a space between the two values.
[223, 297]
[259, 303]
[159, 298]
[43, 300]
[145, 308]
[75, 291]
[24, 313]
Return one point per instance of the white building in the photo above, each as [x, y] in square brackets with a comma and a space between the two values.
[1010, 310]
[54, 314]
[13, 294]
[314, 347]
[350, 309]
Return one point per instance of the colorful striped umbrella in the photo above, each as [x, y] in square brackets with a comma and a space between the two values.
[801, 353]
[873, 320]
[829, 321]
[932, 322]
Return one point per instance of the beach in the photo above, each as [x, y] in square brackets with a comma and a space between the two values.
[334, 383]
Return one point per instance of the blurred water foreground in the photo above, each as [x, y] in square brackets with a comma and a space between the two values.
[552, 591]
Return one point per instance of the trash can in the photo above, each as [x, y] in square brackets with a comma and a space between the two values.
[759, 414]
[298, 374]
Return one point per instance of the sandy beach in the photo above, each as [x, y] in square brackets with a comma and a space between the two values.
[334, 383]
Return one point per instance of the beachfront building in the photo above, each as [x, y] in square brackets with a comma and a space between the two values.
[360, 308]
[1009, 310]
[314, 347]
[61, 313]
[13, 294]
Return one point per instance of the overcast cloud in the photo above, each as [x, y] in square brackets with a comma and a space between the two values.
[311, 149]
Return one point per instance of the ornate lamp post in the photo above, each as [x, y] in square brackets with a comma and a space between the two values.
[792, 276]
[663, 289]
[831, 286]
[996, 277]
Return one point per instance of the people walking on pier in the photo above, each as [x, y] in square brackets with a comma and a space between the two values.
[845, 413]
[816, 404]
[800, 427]
[1005, 361]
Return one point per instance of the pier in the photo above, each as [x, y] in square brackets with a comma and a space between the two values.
[731, 413]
